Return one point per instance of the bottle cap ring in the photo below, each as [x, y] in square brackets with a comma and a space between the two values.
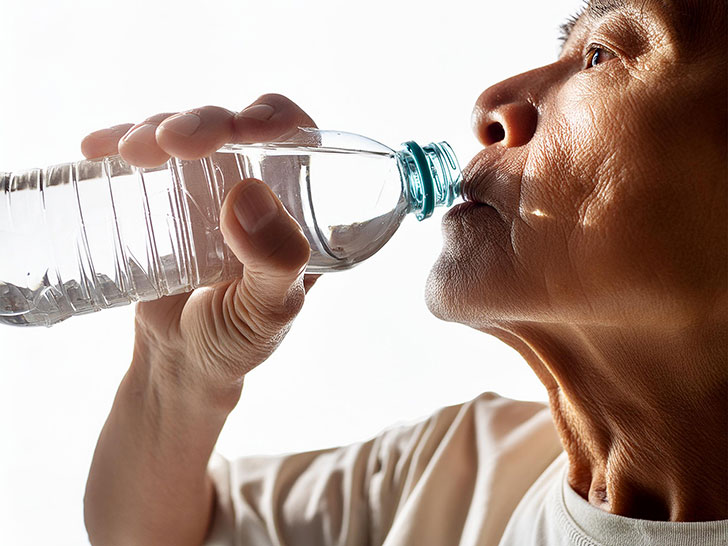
[428, 185]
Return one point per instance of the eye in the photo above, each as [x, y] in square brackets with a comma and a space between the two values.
[598, 55]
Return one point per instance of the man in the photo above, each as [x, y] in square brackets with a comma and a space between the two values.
[593, 241]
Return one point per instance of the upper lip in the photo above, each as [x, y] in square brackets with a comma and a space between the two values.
[492, 178]
[477, 177]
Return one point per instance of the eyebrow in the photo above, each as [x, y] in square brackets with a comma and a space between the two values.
[600, 8]
[695, 23]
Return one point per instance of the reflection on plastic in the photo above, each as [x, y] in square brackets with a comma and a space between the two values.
[81, 237]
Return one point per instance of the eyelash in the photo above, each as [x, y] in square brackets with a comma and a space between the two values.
[592, 49]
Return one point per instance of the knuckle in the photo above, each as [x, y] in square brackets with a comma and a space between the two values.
[266, 314]
[258, 323]
[241, 329]
[281, 242]
[293, 253]
[294, 300]
[226, 339]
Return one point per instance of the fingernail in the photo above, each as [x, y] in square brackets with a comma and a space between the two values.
[182, 124]
[261, 112]
[111, 132]
[143, 133]
[255, 207]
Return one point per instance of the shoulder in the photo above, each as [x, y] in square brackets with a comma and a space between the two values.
[497, 413]
[501, 415]
[510, 426]
[487, 420]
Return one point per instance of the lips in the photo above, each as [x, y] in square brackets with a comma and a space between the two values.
[486, 181]
[477, 179]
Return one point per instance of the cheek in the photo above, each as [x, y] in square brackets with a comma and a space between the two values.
[608, 226]
[552, 194]
[584, 184]
[652, 241]
[631, 233]
[558, 180]
[517, 265]
[570, 208]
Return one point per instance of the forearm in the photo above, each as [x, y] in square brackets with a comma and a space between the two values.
[148, 482]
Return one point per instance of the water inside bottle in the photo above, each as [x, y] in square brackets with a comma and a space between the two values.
[348, 202]
[97, 234]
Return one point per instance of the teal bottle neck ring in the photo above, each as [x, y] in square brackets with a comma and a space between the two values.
[428, 185]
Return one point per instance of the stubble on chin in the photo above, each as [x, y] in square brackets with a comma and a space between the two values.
[477, 287]
[453, 292]
[438, 288]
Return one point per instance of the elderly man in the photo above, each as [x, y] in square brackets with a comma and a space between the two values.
[593, 241]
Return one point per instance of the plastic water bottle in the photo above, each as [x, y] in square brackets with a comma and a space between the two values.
[86, 236]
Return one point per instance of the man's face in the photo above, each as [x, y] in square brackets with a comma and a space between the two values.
[605, 173]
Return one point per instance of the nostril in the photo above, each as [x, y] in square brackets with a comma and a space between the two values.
[494, 133]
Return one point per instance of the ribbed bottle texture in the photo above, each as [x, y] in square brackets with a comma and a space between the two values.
[99, 234]
[85, 236]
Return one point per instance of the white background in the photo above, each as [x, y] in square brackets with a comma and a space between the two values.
[364, 354]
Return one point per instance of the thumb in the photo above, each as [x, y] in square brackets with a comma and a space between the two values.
[268, 242]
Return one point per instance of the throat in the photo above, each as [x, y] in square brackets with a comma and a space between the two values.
[642, 415]
[650, 469]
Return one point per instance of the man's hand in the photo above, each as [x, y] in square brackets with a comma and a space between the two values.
[213, 336]
[148, 483]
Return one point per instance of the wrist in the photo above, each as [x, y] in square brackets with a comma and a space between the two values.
[149, 477]
[178, 382]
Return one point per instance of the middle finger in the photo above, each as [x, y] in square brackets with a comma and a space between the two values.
[196, 133]
[139, 145]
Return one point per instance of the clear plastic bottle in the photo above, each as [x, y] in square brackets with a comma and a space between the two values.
[81, 237]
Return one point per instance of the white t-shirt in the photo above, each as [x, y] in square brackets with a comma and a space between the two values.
[490, 472]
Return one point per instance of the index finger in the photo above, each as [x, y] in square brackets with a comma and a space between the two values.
[199, 132]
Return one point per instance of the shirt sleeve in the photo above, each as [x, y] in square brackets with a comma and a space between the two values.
[348, 495]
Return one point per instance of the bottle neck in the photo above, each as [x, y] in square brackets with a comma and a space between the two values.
[431, 176]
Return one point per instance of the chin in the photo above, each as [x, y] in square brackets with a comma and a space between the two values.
[472, 280]
[456, 291]
[441, 292]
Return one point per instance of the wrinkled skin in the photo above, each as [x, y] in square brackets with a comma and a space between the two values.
[602, 256]
[148, 481]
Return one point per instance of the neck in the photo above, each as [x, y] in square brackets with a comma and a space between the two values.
[642, 416]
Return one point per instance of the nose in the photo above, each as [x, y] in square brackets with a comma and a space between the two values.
[507, 113]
